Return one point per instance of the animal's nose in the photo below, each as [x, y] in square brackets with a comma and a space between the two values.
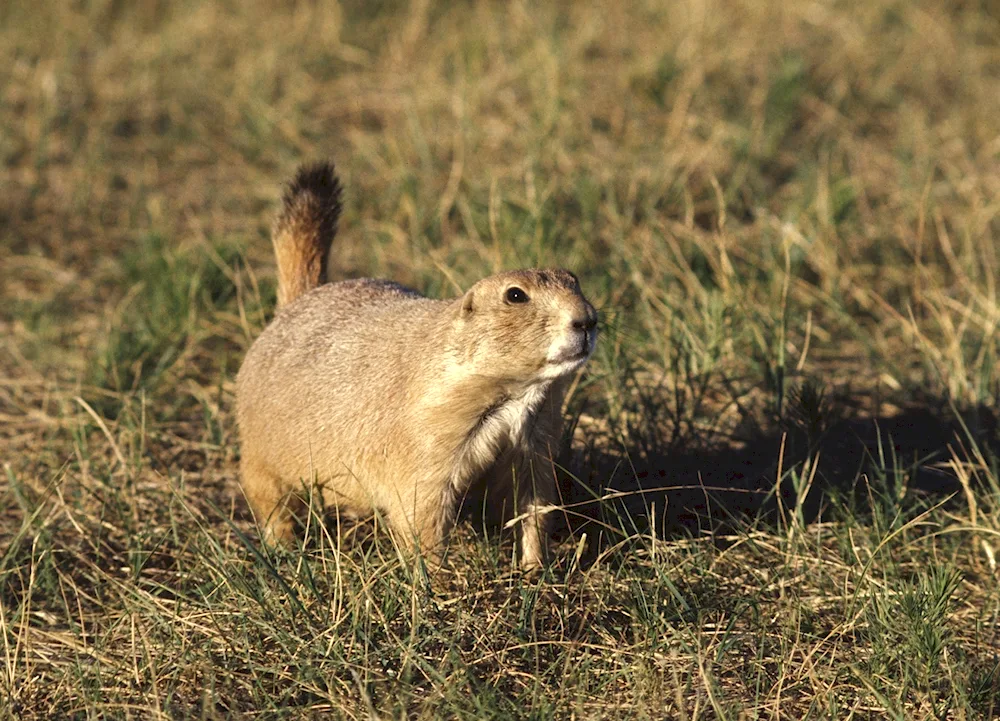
[587, 323]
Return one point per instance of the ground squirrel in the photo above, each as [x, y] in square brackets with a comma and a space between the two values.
[387, 400]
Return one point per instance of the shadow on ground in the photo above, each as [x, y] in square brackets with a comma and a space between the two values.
[900, 460]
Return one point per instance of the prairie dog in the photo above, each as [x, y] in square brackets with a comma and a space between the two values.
[387, 400]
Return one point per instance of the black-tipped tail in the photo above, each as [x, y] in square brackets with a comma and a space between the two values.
[305, 230]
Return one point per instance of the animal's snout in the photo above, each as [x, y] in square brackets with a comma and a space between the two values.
[587, 323]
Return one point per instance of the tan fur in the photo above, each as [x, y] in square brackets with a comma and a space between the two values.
[390, 401]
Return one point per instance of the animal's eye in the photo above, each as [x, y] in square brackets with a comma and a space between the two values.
[516, 295]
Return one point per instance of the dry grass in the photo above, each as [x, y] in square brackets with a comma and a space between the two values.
[788, 214]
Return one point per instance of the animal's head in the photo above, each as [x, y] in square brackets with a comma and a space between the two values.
[526, 326]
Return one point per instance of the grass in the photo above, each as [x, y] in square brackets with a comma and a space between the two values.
[783, 494]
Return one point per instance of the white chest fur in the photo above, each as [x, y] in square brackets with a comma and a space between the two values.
[506, 425]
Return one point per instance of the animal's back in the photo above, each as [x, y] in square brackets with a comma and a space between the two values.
[328, 381]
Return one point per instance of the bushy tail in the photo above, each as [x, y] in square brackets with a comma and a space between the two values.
[304, 230]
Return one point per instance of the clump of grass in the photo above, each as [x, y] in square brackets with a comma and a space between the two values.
[906, 626]
[168, 294]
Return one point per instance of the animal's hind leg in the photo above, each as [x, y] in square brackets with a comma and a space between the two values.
[273, 505]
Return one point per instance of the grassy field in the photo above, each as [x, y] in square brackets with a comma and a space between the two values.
[783, 494]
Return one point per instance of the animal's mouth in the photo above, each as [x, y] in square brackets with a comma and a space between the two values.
[566, 363]
[578, 355]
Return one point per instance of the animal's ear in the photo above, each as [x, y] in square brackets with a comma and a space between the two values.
[468, 304]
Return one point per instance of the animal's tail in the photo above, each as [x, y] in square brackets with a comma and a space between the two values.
[304, 230]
